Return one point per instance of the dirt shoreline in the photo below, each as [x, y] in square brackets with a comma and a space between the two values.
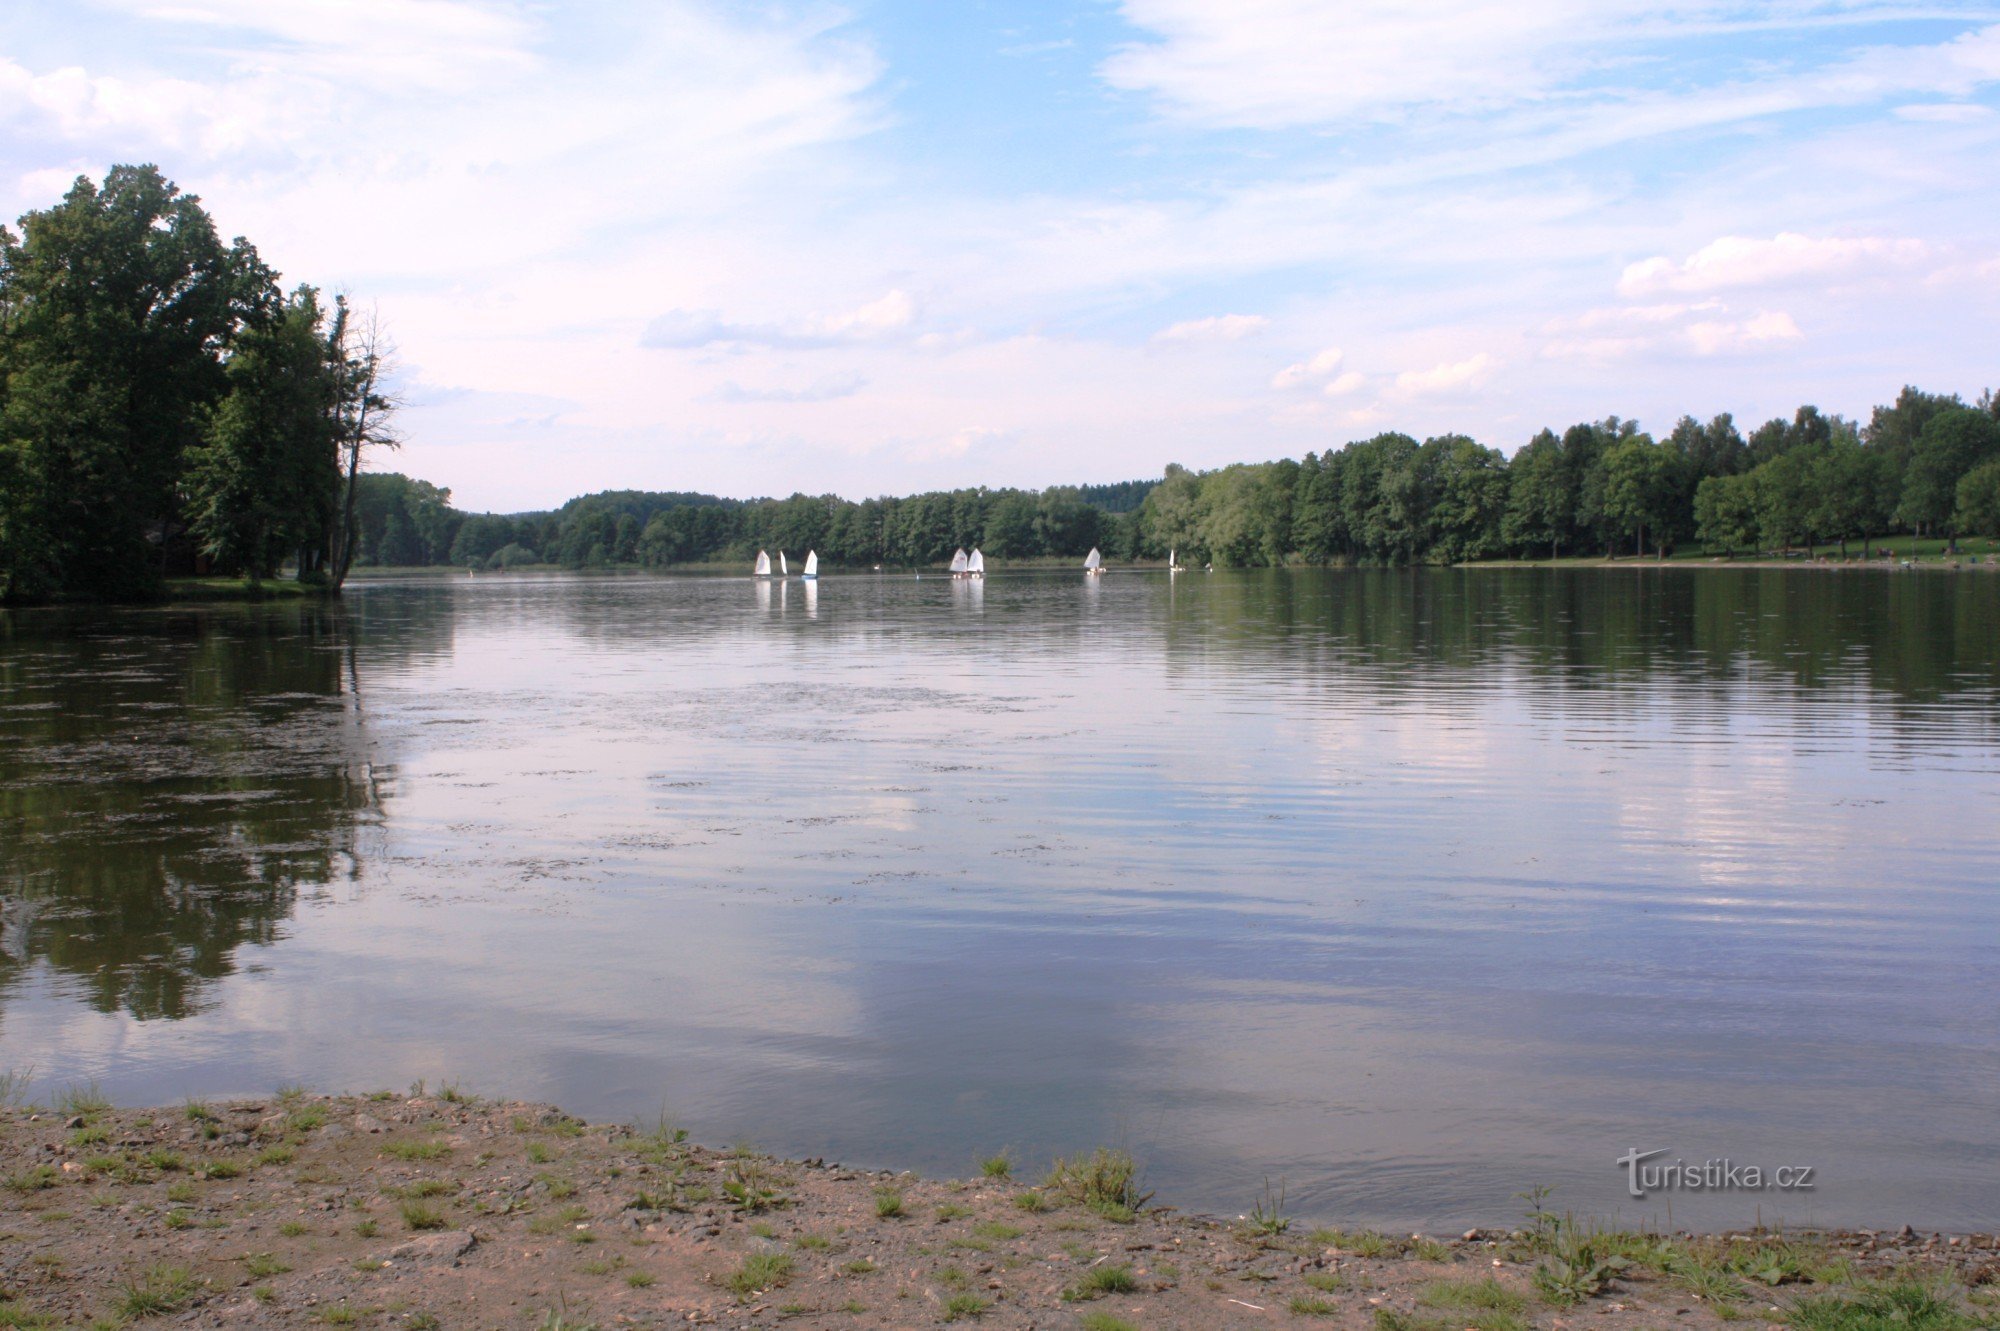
[440, 1211]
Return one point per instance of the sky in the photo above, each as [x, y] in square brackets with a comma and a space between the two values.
[897, 245]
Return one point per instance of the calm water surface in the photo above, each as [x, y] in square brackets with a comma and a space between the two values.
[1409, 889]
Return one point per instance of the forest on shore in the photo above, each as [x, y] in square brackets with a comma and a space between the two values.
[1927, 464]
[166, 407]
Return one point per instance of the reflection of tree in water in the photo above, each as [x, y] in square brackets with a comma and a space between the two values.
[1911, 639]
[169, 783]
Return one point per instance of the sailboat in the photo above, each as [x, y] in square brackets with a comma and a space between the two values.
[1173, 564]
[763, 564]
[958, 562]
[1093, 563]
[975, 567]
[784, 570]
[812, 563]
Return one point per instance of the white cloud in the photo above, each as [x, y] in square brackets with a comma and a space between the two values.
[820, 390]
[1448, 376]
[1273, 64]
[1714, 337]
[879, 319]
[1301, 373]
[1742, 261]
[1217, 328]
[1345, 384]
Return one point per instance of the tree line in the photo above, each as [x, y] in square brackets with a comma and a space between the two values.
[1927, 464]
[166, 406]
[402, 521]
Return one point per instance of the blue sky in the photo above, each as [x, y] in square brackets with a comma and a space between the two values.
[898, 244]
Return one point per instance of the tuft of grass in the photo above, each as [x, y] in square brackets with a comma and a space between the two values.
[640, 1280]
[1902, 1306]
[428, 1187]
[1100, 1281]
[1103, 1321]
[163, 1289]
[993, 1229]
[557, 1187]
[1368, 1243]
[262, 1266]
[163, 1160]
[1311, 1305]
[888, 1203]
[539, 1154]
[964, 1306]
[220, 1169]
[860, 1266]
[367, 1229]
[814, 1242]
[85, 1101]
[14, 1083]
[1031, 1201]
[338, 1314]
[1487, 1295]
[950, 1211]
[276, 1155]
[420, 1216]
[94, 1134]
[1267, 1218]
[418, 1150]
[306, 1118]
[291, 1229]
[1324, 1281]
[198, 1111]
[38, 1179]
[183, 1191]
[997, 1166]
[1106, 1181]
[760, 1271]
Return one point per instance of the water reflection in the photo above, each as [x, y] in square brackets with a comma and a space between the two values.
[1350, 878]
[170, 783]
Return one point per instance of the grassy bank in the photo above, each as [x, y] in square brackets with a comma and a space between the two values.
[236, 589]
[434, 1209]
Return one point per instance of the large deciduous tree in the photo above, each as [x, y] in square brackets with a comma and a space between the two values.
[263, 482]
[117, 306]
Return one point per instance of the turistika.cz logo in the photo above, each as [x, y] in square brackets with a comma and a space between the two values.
[1723, 1175]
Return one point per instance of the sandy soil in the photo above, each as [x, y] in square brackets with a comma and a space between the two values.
[430, 1211]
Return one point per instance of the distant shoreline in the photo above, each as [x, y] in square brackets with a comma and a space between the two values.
[438, 1208]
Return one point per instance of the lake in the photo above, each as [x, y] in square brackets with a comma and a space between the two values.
[1405, 890]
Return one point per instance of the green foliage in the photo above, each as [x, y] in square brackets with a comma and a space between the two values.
[1905, 1306]
[162, 1289]
[1106, 1181]
[960, 1307]
[1978, 511]
[1100, 1281]
[888, 1203]
[1268, 1216]
[1103, 1321]
[1952, 443]
[760, 1271]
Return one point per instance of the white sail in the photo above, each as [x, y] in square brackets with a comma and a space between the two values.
[784, 569]
[1093, 561]
[763, 564]
[812, 563]
[958, 560]
[976, 564]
